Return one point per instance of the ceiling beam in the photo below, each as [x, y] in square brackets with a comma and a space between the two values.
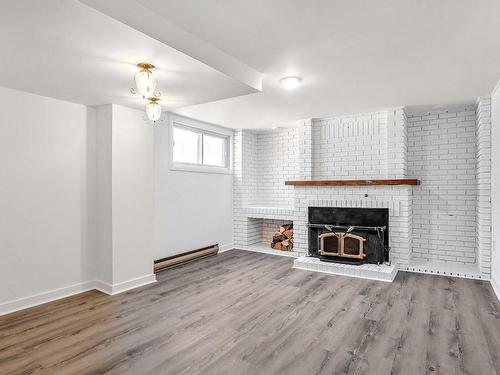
[157, 27]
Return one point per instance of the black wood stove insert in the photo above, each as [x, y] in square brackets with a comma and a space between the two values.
[349, 235]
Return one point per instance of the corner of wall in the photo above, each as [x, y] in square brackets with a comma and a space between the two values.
[90, 225]
[124, 286]
[483, 182]
[495, 284]
[495, 186]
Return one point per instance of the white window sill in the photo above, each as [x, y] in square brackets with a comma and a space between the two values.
[200, 169]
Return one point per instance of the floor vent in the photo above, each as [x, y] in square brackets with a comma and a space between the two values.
[176, 260]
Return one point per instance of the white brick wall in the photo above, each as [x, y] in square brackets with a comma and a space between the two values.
[446, 218]
[442, 154]
[263, 161]
[397, 143]
[245, 167]
[277, 161]
[358, 145]
[350, 147]
[305, 150]
[483, 177]
[244, 184]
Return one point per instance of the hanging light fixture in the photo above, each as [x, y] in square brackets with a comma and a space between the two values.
[144, 80]
[145, 85]
[153, 109]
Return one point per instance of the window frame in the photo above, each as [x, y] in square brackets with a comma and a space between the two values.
[200, 128]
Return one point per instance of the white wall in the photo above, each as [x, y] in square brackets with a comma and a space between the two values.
[125, 189]
[277, 160]
[495, 187]
[192, 209]
[77, 193]
[483, 167]
[442, 154]
[132, 194]
[104, 239]
[350, 147]
[313, 154]
[47, 196]
[65, 223]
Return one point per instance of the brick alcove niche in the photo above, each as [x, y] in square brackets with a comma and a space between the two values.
[260, 234]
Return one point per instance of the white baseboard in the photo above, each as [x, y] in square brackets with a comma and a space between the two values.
[496, 287]
[52, 295]
[227, 247]
[44, 297]
[265, 248]
[117, 288]
[103, 286]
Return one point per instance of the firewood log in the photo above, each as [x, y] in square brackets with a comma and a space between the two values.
[279, 238]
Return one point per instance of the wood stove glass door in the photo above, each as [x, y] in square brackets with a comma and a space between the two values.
[353, 246]
[330, 244]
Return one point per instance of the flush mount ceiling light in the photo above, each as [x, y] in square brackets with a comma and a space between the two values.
[290, 82]
[145, 82]
[153, 109]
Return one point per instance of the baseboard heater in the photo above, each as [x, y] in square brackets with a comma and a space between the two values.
[176, 260]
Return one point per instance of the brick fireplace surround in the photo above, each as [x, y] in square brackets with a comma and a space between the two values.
[448, 150]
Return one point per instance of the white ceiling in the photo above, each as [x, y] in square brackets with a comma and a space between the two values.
[354, 55]
[67, 50]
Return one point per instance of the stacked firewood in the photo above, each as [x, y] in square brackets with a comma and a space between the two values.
[283, 239]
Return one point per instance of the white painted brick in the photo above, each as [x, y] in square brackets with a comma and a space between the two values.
[444, 204]
[483, 175]
[447, 149]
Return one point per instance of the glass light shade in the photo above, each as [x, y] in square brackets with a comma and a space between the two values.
[145, 83]
[291, 82]
[153, 110]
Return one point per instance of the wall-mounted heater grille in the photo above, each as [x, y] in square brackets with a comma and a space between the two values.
[176, 260]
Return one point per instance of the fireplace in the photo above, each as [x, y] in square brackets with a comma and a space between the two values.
[344, 245]
[349, 235]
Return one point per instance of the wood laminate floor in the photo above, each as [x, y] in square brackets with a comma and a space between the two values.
[249, 313]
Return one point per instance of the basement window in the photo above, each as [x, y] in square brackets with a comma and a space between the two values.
[200, 147]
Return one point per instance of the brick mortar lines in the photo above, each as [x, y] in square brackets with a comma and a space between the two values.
[441, 152]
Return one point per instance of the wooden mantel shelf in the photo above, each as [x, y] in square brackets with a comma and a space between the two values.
[400, 181]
